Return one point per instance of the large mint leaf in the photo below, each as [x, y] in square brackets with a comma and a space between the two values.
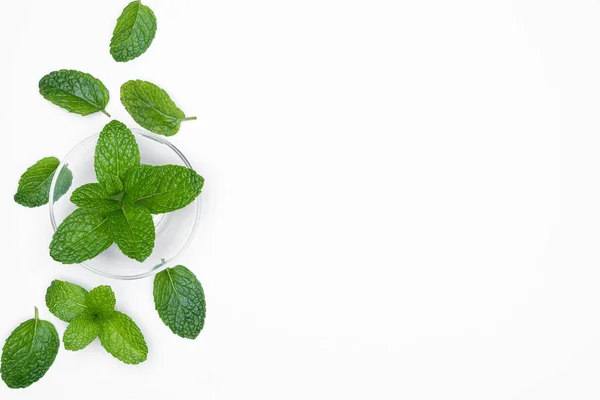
[101, 300]
[82, 235]
[116, 152]
[75, 91]
[179, 300]
[122, 338]
[163, 188]
[29, 352]
[152, 108]
[66, 300]
[34, 185]
[94, 197]
[132, 228]
[135, 31]
[81, 332]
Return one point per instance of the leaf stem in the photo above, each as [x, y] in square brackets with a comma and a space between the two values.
[37, 314]
[189, 119]
[106, 113]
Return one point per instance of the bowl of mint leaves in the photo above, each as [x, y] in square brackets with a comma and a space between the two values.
[131, 207]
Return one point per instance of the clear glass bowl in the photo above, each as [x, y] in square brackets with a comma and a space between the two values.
[174, 231]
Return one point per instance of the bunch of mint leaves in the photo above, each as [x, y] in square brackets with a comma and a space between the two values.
[92, 315]
[116, 209]
[81, 93]
[119, 207]
[32, 347]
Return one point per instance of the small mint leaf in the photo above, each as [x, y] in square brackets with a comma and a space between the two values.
[101, 300]
[152, 108]
[94, 197]
[66, 300]
[81, 332]
[134, 32]
[179, 300]
[34, 185]
[81, 236]
[122, 338]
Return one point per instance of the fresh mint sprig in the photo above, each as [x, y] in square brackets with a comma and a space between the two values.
[92, 315]
[118, 209]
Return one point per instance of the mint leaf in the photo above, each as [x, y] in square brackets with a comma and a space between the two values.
[94, 197]
[122, 338]
[75, 91]
[113, 184]
[66, 300]
[163, 188]
[101, 300]
[133, 231]
[29, 352]
[152, 108]
[81, 332]
[116, 152]
[179, 300]
[82, 235]
[135, 31]
[34, 185]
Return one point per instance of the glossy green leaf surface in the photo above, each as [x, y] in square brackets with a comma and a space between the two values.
[34, 185]
[152, 107]
[75, 91]
[94, 197]
[134, 32]
[81, 236]
[162, 188]
[66, 300]
[122, 338]
[179, 300]
[81, 332]
[116, 152]
[28, 353]
[132, 228]
[101, 300]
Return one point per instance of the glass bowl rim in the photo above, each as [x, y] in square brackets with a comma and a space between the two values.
[147, 135]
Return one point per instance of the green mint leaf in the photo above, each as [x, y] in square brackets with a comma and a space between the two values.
[34, 185]
[29, 352]
[133, 230]
[81, 236]
[122, 338]
[81, 332]
[162, 188]
[116, 152]
[63, 183]
[179, 300]
[93, 196]
[152, 108]
[113, 184]
[134, 33]
[75, 91]
[66, 300]
[101, 300]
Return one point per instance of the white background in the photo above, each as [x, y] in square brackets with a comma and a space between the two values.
[402, 198]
